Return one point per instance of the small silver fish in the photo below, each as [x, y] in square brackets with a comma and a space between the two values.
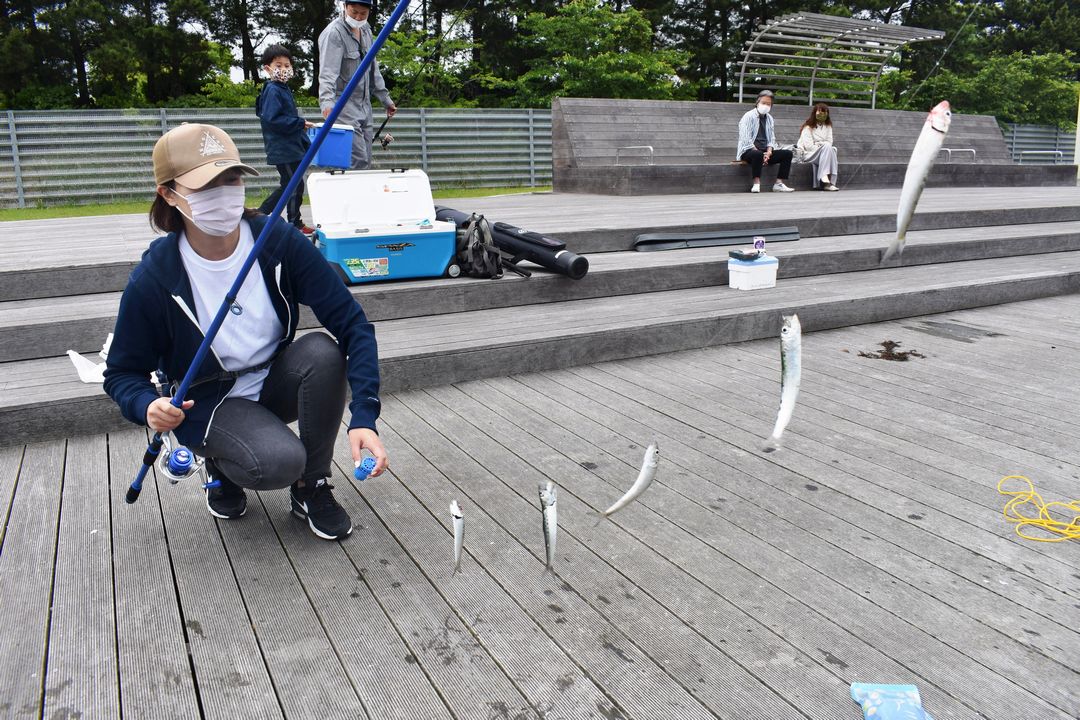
[645, 477]
[922, 159]
[551, 523]
[459, 534]
[790, 376]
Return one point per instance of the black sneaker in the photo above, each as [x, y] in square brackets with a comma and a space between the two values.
[226, 501]
[324, 515]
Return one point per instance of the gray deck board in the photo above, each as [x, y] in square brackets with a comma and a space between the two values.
[307, 673]
[870, 548]
[231, 666]
[986, 608]
[155, 670]
[550, 679]
[671, 641]
[674, 496]
[83, 678]
[26, 579]
[901, 639]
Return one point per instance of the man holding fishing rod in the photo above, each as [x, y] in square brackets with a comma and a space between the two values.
[342, 44]
[258, 376]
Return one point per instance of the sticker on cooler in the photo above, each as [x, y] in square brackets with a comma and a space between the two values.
[368, 267]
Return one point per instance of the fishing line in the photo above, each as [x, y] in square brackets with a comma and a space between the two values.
[1052, 529]
[881, 137]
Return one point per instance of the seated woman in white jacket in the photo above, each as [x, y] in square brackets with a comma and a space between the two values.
[816, 146]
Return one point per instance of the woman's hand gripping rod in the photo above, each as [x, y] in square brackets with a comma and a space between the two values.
[177, 400]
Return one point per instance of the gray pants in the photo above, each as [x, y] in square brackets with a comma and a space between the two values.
[825, 164]
[363, 136]
[251, 443]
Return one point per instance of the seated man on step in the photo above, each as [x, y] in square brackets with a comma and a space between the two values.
[757, 144]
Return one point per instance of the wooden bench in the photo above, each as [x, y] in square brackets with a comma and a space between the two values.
[693, 148]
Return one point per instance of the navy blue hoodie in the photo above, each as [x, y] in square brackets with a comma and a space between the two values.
[157, 328]
[283, 132]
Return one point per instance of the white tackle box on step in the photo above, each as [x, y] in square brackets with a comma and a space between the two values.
[752, 274]
[380, 225]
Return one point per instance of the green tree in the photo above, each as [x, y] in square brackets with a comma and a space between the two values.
[1015, 88]
[426, 71]
[589, 50]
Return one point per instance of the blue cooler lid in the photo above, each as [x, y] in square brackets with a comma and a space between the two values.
[763, 261]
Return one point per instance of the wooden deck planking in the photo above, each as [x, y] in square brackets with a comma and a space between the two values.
[900, 638]
[671, 642]
[892, 406]
[880, 509]
[993, 440]
[741, 585]
[550, 679]
[83, 677]
[797, 519]
[26, 579]
[408, 664]
[731, 649]
[155, 668]
[307, 673]
[230, 665]
[707, 554]
[874, 454]
[983, 607]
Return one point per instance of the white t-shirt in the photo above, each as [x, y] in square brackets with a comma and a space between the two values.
[243, 340]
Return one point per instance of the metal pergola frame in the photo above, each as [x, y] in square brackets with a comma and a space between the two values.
[837, 56]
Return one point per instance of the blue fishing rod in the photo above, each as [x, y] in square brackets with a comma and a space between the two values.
[154, 448]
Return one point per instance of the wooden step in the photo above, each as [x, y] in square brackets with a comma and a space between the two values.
[43, 398]
[51, 326]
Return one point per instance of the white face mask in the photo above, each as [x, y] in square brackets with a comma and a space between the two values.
[764, 108]
[216, 211]
[354, 23]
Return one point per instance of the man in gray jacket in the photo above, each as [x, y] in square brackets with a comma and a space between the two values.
[342, 44]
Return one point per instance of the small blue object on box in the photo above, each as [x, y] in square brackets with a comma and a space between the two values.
[364, 469]
[336, 150]
[889, 702]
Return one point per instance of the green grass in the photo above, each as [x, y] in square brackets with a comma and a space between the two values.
[143, 206]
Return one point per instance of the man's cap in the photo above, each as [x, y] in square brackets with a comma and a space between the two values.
[765, 93]
[365, 3]
[194, 154]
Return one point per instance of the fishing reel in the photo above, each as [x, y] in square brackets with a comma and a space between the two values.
[176, 464]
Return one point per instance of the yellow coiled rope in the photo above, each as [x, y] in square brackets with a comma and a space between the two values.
[1057, 530]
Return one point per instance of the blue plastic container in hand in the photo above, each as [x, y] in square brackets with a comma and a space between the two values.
[364, 469]
[336, 150]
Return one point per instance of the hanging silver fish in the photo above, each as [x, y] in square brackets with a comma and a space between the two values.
[922, 159]
[459, 534]
[551, 522]
[790, 376]
[644, 479]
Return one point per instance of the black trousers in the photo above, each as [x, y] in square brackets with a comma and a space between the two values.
[756, 158]
[292, 209]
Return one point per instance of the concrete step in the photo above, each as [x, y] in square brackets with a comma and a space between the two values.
[43, 398]
[726, 177]
[50, 326]
[77, 256]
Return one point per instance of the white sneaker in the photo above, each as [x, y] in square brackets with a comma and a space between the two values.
[781, 187]
[756, 187]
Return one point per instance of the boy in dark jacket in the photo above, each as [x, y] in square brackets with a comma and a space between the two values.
[284, 131]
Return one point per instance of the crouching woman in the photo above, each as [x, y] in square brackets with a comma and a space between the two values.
[258, 376]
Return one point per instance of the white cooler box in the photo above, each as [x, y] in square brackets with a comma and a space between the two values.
[380, 225]
[752, 274]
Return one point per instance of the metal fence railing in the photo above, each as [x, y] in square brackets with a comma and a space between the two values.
[1040, 144]
[91, 156]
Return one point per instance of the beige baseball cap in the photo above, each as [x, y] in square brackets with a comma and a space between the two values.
[194, 154]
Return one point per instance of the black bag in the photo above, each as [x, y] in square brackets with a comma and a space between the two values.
[477, 255]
